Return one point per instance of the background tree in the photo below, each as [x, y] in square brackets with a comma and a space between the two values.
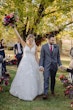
[41, 17]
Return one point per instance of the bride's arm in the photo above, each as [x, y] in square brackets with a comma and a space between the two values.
[36, 55]
[19, 37]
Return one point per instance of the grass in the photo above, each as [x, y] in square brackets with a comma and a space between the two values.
[60, 102]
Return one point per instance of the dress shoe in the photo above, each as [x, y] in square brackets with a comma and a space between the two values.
[53, 94]
[45, 97]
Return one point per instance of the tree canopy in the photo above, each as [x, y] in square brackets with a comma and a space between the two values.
[39, 17]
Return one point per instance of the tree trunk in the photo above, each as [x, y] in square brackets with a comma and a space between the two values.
[59, 42]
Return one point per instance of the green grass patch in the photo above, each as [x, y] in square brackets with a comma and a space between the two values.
[60, 102]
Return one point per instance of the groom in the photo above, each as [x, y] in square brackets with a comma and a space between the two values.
[49, 62]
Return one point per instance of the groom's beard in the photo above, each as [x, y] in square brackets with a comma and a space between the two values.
[51, 43]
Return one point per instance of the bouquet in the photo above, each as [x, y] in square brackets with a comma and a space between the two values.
[10, 19]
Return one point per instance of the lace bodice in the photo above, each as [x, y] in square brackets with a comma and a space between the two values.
[29, 52]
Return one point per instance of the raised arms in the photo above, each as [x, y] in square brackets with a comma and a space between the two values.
[19, 37]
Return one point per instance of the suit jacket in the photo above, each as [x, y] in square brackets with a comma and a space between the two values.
[16, 48]
[50, 60]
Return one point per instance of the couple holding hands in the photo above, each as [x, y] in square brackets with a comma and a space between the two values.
[32, 77]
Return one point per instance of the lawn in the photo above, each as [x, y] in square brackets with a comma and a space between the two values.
[59, 102]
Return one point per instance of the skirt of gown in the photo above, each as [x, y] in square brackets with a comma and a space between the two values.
[28, 82]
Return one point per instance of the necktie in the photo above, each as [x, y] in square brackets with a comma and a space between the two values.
[50, 48]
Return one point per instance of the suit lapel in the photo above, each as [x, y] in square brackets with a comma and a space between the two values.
[54, 49]
[47, 49]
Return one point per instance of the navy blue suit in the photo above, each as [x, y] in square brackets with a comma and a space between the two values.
[2, 52]
[18, 55]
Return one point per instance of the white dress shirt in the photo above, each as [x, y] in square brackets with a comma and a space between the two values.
[19, 48]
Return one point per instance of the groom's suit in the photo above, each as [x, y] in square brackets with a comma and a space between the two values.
[50, 61]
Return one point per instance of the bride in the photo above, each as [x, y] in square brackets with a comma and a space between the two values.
[28, 82]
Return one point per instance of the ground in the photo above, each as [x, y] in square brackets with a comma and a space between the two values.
[60, 102]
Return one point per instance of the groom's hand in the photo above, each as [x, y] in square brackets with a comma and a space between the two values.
[62, 68]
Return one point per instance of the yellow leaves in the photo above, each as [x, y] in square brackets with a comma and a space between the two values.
[56, 14]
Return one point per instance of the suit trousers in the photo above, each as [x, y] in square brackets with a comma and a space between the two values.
[49, 75]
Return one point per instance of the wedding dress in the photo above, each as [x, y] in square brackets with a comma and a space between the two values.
[28, 82]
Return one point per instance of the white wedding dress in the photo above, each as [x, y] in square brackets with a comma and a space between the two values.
[28, 82]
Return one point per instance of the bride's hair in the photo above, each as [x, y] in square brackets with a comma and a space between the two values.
[30, 36]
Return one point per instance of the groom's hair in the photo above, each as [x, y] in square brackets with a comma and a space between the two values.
[50, 36]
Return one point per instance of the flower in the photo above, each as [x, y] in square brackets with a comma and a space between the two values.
[6, 82]
[10, 19]
[69, 91]
[62, 77]
[66, 92]
[67, 85]
[64, 80]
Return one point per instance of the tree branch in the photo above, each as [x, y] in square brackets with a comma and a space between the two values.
[57, 10]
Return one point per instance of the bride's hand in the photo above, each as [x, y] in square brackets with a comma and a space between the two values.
[41, 69]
